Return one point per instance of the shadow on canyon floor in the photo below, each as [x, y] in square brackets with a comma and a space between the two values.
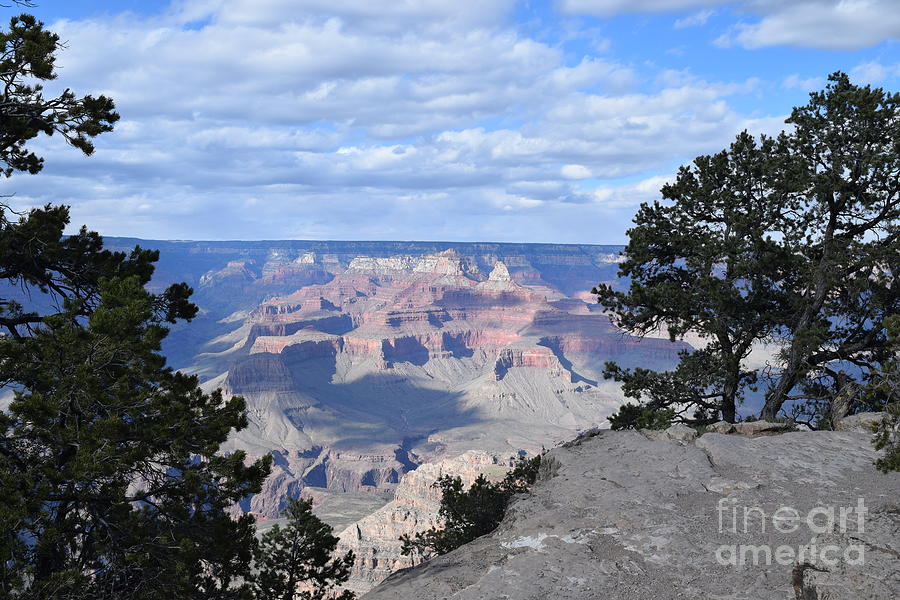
[393, 406]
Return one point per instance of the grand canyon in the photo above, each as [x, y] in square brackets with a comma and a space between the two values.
[370, 368]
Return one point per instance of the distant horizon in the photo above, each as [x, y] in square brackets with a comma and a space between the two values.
[353, 241]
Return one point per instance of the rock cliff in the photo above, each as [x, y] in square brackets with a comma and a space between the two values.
[624, 515]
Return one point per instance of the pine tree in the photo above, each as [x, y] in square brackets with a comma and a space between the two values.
[793, 240]
[27, 58]
[111, 482]
[295, 561]
[704, 262]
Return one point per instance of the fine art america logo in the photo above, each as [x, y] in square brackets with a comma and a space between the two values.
[785, 521]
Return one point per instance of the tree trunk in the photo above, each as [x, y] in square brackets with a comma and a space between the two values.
[776, 398]
[730, 391]
[729, 412]
[840, 404]
[792, 371]
[799, 350]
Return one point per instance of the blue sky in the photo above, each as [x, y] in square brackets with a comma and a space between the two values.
[496, 120]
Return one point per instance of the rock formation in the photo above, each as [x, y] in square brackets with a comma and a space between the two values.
[402, 360]
[628, 515]
[230, 279]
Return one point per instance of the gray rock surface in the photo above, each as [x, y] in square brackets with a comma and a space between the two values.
[862, 422]
[721, 427]
[618, 515]
[759, 427]
[877, 576]
[677, 433]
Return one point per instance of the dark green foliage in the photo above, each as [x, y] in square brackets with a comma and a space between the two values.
[67, 270]
[27, 56]
[300, 554]
[522, 476]
[882, 392]
[469, 514]
[688, 393]
[635, 416]
[111, 485]
[793, 239]
[887, 438]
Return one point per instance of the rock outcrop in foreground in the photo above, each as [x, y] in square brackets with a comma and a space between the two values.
[626, 515]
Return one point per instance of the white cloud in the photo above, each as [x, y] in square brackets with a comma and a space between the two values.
[874, 72]
[575, 172]
[633, 194]
[373, 16]
[828, 24]
[367, 120]
[808, 84]
[605, 8]
[695, 20]
[602, 44]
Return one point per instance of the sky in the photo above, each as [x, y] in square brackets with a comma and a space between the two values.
[445, 120]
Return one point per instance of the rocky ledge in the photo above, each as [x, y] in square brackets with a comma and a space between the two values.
[766, 514]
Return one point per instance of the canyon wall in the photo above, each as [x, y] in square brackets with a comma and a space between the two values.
[396, 361]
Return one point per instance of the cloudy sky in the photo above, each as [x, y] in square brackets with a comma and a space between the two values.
[492, 120]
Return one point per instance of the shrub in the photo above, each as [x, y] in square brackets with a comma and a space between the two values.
[469, 514]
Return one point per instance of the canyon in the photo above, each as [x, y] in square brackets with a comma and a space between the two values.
[370, 368]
